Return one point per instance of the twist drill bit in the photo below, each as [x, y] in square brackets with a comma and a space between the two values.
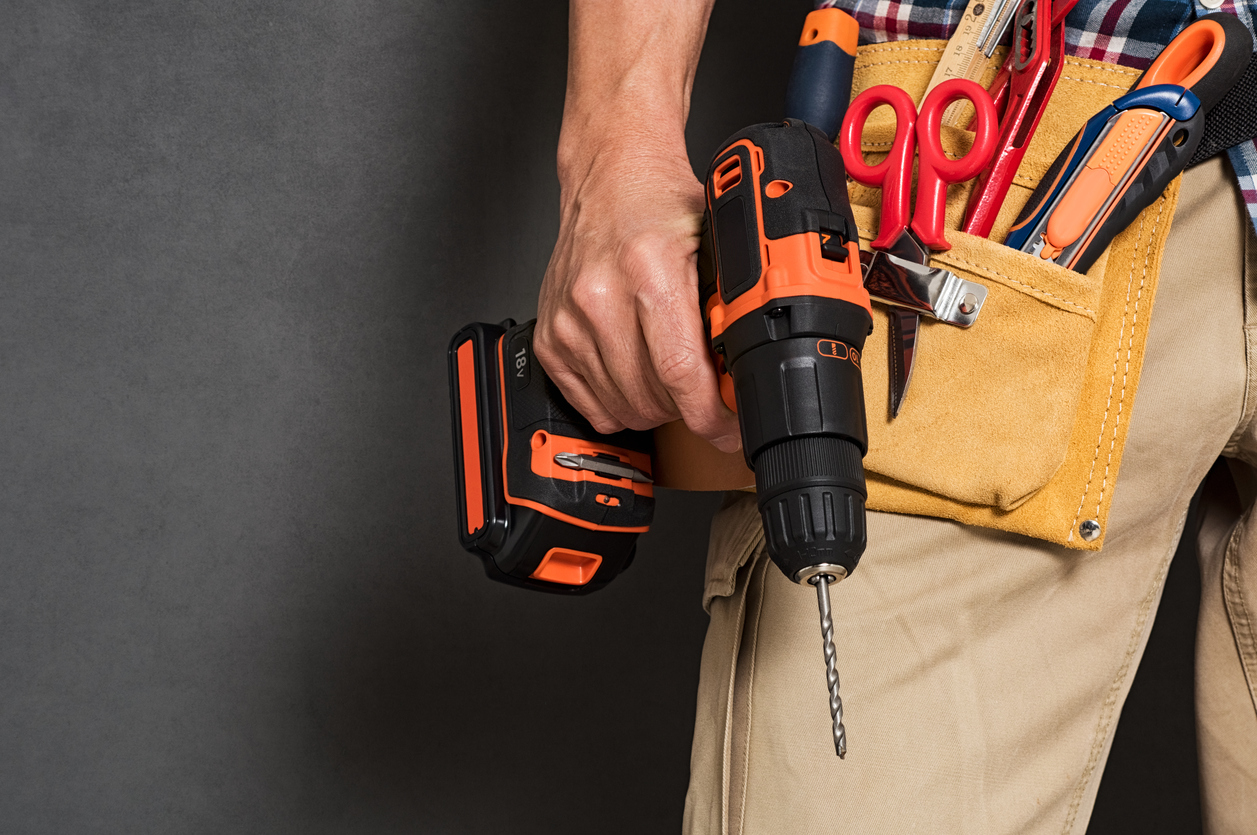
[822, 581]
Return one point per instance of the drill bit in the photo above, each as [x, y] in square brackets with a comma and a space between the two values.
[822, 582]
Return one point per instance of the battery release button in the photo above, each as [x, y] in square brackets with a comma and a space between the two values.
[571, 568]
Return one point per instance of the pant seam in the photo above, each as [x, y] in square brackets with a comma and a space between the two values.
[727, 743]
[1107, 709]
[1239, 614]
[1249, 402]
[750, 691]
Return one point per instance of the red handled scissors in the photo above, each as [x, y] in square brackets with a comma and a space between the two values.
[908, 237]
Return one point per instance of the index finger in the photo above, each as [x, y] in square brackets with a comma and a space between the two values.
[677, 342]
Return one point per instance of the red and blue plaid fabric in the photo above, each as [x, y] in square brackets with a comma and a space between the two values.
[1126, 32]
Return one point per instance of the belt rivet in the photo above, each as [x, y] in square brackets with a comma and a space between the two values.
[1090, 530]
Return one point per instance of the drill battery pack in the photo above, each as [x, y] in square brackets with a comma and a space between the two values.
[544, 500]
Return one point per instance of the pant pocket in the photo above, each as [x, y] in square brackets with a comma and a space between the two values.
[736, 537]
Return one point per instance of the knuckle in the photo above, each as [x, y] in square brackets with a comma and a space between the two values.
[543, 342]
[560, 340]
[550, 354]
[641, 254]
[679, 369]
[659, 295]
[655, 272]
[606, 425]
[591, 295]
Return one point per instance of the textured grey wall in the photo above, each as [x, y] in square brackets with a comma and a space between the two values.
[234, 239]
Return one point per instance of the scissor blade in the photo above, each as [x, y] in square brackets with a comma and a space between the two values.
[903, 343]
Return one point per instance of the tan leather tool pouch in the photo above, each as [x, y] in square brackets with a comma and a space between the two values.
[1017, 423]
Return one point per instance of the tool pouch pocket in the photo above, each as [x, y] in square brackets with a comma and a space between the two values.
[988, 416]
[1017, 423]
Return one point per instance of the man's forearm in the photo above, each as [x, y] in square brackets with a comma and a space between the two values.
[618, 324]
[630, 70]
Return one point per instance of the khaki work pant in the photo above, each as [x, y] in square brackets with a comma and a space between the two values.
[983, 672]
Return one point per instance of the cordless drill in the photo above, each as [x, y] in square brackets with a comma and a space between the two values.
[548, 503]
[786, 308]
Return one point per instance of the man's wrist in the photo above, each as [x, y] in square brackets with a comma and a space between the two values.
[619, 131]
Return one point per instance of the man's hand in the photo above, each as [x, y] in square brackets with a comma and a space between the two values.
[619, 328]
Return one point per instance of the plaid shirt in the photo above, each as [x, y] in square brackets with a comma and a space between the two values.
[1126, 32]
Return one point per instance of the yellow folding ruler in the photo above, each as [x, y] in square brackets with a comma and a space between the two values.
[981, 28]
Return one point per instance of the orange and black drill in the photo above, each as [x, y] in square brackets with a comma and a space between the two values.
[548, 503]
[788, 314]
[785, 304]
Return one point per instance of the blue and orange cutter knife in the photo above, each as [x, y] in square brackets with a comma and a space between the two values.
[1126, 155]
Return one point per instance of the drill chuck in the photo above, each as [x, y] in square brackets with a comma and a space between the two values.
[811, 499]
[796, 373]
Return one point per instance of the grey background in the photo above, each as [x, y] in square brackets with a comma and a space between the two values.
[234, 240]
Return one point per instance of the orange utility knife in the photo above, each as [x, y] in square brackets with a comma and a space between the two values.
[1126, 154]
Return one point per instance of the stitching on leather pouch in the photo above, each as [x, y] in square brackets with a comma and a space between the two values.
[1097, 83]
[1113, 379]
[1134, 323]
[898, 46]
[1121, 70]
[884, 63]
[979, 268]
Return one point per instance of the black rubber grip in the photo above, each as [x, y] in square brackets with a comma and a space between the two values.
[806, 461]
[1234, 59]
[1233, 120]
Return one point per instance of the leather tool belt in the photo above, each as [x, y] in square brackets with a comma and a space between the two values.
[1019, 422]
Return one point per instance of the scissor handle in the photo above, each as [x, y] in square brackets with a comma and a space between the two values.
[936, 170]
[893, 174]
